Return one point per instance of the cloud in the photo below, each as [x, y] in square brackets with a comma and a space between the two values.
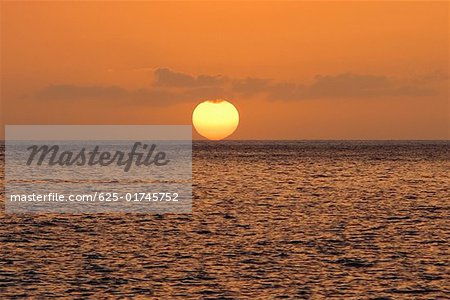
[435, 76]
[346, 85]
[170, 87]
[251, 85]
[153, 96]
[69, 91]
[168, 78]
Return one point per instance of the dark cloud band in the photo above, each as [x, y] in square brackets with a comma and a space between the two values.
[170, 87]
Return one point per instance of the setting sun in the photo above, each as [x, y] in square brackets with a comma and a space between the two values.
[215, 119]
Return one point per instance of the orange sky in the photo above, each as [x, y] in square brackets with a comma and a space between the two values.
[295, 70]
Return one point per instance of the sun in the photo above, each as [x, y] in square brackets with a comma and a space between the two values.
[215, 119]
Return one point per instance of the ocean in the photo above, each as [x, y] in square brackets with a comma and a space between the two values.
[270, 220]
